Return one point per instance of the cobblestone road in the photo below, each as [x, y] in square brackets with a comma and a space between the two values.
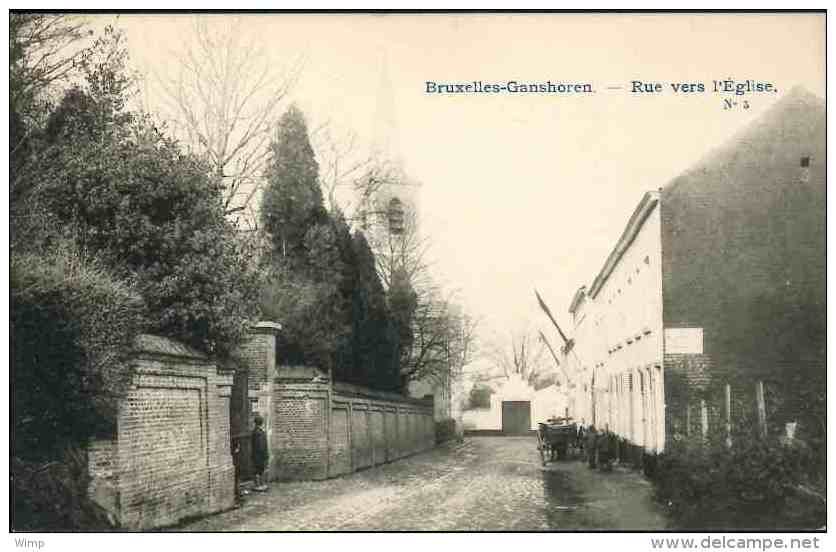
[486, 483]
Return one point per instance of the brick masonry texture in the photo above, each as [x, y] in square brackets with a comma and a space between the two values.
[299, 447]
[688, 379]
[257, 355]
[320, 432]
[170, 457]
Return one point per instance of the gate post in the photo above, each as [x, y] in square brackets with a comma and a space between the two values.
[258, 357]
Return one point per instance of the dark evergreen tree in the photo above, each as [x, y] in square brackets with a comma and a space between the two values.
[323, 284]
[403, 303]
[307, 290]
[292, 202]
[376, 347]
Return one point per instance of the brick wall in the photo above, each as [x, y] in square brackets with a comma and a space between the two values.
[688, 379]
[170, 458]
[340, 459]
[692, 379]
[390, 422]
[743, 248]
[386, 426]
[299, 444]
[378, 436]
[360, 436]
[320, 431]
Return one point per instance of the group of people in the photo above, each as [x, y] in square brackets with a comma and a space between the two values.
[601, 447]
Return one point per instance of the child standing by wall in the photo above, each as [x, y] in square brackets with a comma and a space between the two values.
[260, 453]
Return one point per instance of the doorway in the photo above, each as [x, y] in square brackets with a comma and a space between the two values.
[516, 417]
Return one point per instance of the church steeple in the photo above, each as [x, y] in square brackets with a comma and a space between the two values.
[385, 143]
[400, 190]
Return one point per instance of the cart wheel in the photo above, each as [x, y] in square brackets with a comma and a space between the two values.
[543, 454]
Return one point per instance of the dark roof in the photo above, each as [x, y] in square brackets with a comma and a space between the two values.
[754, 150]
[155, 344]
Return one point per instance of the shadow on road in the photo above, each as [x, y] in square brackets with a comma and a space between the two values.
[563, 499]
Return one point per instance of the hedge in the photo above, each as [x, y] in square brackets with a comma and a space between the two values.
[72, 328]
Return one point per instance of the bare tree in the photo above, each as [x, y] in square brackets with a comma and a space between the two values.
[224, 99]
[399, 245]
[379, 174]
[466, 342]
[522, 352]
[443, 335]
[342, 167]
[445, 339]
[353, 181]
[43, 50]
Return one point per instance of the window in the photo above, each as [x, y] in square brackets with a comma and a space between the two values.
[805, 161]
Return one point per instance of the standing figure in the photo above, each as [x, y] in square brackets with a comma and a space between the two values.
[590, 446]
[260, 453]
[603, 443]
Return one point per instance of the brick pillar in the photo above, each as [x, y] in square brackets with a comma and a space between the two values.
[259, 355]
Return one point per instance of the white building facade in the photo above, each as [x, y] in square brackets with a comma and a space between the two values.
[545, 403]
[617, 348]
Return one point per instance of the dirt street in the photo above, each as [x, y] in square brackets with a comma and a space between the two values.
[484, 484]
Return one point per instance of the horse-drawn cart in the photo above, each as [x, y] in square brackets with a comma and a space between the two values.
[554, 438]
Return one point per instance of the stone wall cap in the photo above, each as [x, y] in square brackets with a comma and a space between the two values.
[305, 373]
[157, 344]
[344, 388]
[267, 325]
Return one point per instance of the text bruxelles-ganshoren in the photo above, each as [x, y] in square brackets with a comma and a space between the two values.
[509, 87]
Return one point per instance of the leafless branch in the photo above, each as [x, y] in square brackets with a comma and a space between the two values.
[49, 49]
[341, 166]
[226, 97]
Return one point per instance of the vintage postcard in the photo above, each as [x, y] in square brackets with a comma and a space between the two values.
[411, 272]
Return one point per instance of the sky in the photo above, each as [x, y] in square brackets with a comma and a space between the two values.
[525, 191]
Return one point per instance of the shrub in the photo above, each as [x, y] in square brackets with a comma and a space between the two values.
[156, 216]
[72, 327]
[52, 496]
[480, 397]
[708, 483]
[149, 211]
